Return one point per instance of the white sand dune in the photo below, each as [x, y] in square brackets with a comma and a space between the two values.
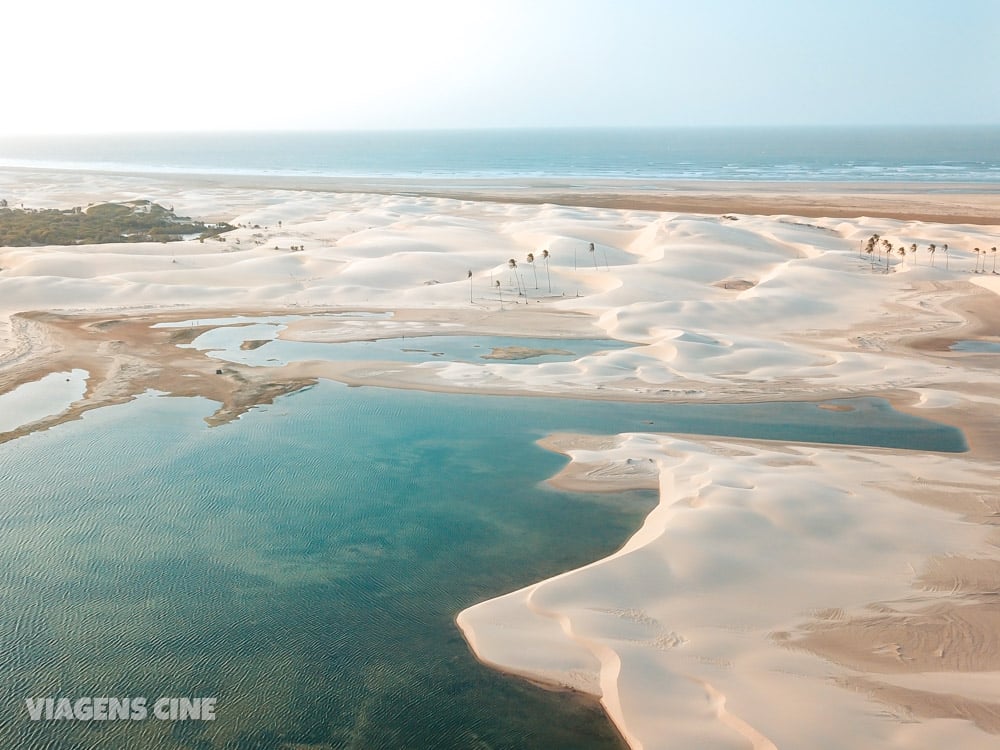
[749, 544]
[770, 599]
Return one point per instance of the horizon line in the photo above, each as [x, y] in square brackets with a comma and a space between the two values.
[501, 128]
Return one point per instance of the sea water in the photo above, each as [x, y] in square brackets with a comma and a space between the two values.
[303, 565]
[930, 154]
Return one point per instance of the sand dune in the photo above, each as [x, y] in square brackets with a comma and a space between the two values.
[779, 596]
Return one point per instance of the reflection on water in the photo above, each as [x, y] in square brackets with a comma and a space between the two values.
[411, 349]
[304, 564]
[254, 341]
[42, 398]
[976, 345]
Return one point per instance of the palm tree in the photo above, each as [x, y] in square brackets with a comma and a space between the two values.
[545, 257]
[870, 249]
[594, 255]
[913, 252]
[500, 292]
[531, 262]
[902, 255]
[946, 256]
[976, 251]
[888, 255]
[512, 265]
[994, 251]
[470, 285]
[931, 249]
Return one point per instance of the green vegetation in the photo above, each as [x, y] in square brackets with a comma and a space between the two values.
[133, 221]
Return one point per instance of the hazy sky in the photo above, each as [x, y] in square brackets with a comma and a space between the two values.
[113, 66]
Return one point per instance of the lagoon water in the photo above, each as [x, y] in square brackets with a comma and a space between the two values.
[977, 346]
[224, 344]
[41, 398]
[304, 564]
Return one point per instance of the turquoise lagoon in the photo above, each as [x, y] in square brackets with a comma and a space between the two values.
[304, 564]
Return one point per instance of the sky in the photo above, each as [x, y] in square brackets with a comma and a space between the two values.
[109, 66]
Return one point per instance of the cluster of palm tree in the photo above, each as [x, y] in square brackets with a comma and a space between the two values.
[531, 261]
[876, 245]
[516, 279]
[978, 252]
[522, 288]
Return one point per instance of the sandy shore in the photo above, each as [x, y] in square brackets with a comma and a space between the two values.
[956, 203]
[780, 595]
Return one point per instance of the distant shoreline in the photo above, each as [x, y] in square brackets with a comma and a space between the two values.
[952, 203]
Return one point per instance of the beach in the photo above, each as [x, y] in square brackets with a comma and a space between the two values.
[780, 594]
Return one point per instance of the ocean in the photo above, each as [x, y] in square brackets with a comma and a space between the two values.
[968, 154]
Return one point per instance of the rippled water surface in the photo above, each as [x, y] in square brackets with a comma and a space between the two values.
[304, 564]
